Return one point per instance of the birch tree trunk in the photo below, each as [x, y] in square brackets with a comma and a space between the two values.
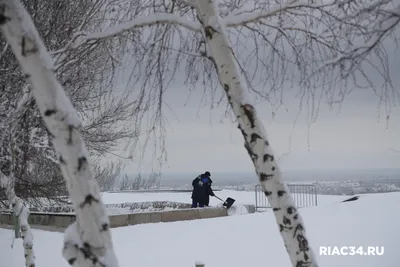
[288, 218]
[22, 214]
[9, 139]
[88, 241]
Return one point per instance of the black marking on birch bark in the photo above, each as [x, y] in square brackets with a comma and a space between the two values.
[298, 228]
[62, 161]
[70, 129]
[209, 32]
[302, 264]
[249, 112]
[81, 162]
[213, 61]
[26, 255]
[296, 216]
[3, 18]
[303, 243]
[243, 132]
[104, 227]
[49, 112]
[24, 49]
[286, 221]
[254, 137]
[85, 251]
[89, 199]
[282, 227]
[253, 156]
[273, 168]
[268, 157]
[265, 177]
[266, 143]
[51, 135]
[72, 261]
[229, 98]
[267, 193]
[306, 257]
[27, 76]
[88, 254]
[199, 19]
[226, 87]
[281, 193]
[291, 210]
[276, 209]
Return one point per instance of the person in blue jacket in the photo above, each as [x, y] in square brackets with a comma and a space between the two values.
[202, 190]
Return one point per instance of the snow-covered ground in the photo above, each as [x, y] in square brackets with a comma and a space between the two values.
[237, 241]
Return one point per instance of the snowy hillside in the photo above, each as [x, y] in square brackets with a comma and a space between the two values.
[239, 241]
[328, 182]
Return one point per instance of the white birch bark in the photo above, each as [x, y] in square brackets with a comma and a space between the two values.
[288, 218]
[88, 241]
[22, 214]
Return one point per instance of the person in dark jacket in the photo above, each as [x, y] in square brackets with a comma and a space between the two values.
[202, 190]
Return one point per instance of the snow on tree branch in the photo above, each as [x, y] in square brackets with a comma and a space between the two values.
[245, 16]
[88, 241]
[290, 223]
[154, 19]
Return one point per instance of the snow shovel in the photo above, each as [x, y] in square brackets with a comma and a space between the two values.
[228, 202]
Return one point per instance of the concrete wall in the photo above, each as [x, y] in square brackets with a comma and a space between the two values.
[131, 206]
[63, 220]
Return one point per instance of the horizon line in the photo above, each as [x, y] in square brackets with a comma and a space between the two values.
[285, 170]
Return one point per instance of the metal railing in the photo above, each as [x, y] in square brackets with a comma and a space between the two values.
[304, 195]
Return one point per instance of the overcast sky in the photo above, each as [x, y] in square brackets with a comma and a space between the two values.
[352, 137]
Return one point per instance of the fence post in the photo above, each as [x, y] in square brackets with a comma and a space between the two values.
[304, 195]
[256, 193]
[16, 226]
